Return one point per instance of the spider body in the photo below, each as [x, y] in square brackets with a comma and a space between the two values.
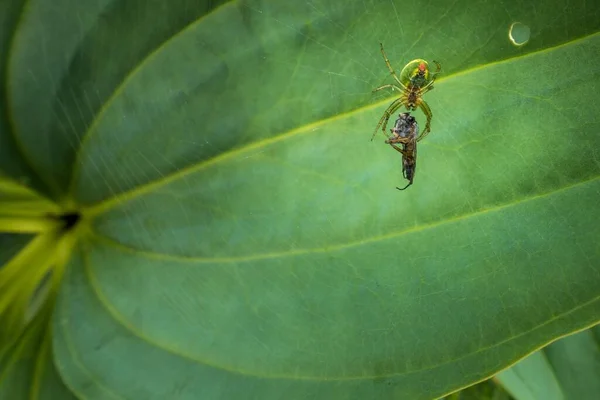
[405, 132]
[418, 80]
[415, 80]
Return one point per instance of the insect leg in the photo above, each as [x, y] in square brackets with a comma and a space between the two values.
[398, 149]
[387, 114]
[409, 183]
[427, 111]
[398, 139]
[389, 65]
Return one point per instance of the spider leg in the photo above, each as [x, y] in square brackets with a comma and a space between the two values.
[429, 86]
[386, 87]
[389, 65]
[427, 111]
[396, 104]
[426, 89]
[390, 110]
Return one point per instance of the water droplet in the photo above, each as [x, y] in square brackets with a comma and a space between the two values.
[519, 33]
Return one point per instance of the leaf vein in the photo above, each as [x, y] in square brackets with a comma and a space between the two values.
[109, 203]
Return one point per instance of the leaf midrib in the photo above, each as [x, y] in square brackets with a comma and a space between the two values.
[128, 195]
[329, 249]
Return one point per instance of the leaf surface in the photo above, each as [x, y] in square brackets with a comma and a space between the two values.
[247, 239]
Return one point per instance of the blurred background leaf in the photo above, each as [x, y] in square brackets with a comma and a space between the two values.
[486, 390]
[568, 369]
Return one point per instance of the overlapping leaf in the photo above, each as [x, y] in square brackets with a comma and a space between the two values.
[567, 369]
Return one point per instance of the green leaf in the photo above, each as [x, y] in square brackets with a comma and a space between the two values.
[27, 368]
[22, 210]
[486, 390]
[532, 379]
[48, 385]
[11, 161]
[576, 362]
[242, 237]
[27, 371]
[17, 367]
[566, 369]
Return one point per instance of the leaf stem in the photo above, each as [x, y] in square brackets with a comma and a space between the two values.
[21, 224]
[19, 279]
[34, 207]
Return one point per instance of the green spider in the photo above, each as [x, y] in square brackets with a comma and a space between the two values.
[415, 80]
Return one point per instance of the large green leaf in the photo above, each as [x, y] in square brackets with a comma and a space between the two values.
[242, 238]
[568, 369]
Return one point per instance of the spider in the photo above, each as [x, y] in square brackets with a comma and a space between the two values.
[415, 80]
[405, 132]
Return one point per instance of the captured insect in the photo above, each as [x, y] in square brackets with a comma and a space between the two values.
[405, 132]
[415, 80]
